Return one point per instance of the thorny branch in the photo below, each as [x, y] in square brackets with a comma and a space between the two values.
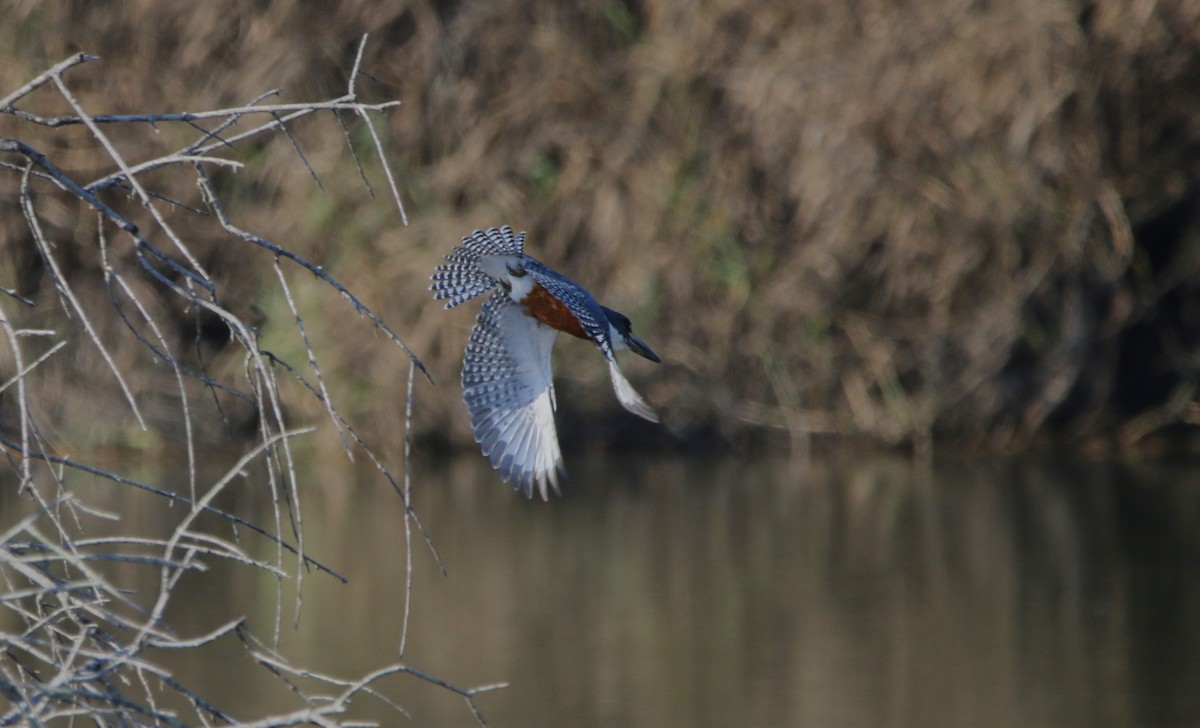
[81, 649]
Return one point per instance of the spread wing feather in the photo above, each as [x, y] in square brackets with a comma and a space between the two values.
[509, 390]
[460, 279]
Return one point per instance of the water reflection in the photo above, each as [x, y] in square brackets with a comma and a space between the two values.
[668, 592]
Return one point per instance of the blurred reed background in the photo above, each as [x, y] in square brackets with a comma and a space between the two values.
[902, 222]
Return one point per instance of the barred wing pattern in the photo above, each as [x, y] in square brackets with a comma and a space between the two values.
[509, 391]
[460, 278]
[589, 312]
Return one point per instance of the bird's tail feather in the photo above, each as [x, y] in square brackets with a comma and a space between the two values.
[628, 396]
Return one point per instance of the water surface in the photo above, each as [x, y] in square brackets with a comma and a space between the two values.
[866, 591]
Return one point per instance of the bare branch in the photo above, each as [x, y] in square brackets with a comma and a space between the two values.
[211, 198]
[82, 648]
[64, 288]
[189, 117]
[6, 103]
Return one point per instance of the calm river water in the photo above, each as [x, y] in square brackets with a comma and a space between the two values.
[856, 592]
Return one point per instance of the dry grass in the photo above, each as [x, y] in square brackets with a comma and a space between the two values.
[937, 218]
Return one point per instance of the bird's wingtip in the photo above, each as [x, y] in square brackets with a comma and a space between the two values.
[542, 483]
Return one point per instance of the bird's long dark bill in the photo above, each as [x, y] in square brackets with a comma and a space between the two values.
[638, 346]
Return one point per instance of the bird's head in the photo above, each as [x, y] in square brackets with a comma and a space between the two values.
[620, 331]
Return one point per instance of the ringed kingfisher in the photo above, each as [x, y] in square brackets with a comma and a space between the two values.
[507, 380]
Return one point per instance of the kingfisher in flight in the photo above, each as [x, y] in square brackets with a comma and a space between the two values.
[507, 380]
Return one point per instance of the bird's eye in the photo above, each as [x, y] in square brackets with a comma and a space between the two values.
[517, 271]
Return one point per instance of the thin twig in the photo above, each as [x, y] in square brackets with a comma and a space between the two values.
[359, 306]
[188, 117]
[122, 480]
[111, 275]
[410, 512]
[22, 403]
[60, 283]
[408, 555]
[116, 156]
[387, 168]
[6, 103]
[83, 639]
